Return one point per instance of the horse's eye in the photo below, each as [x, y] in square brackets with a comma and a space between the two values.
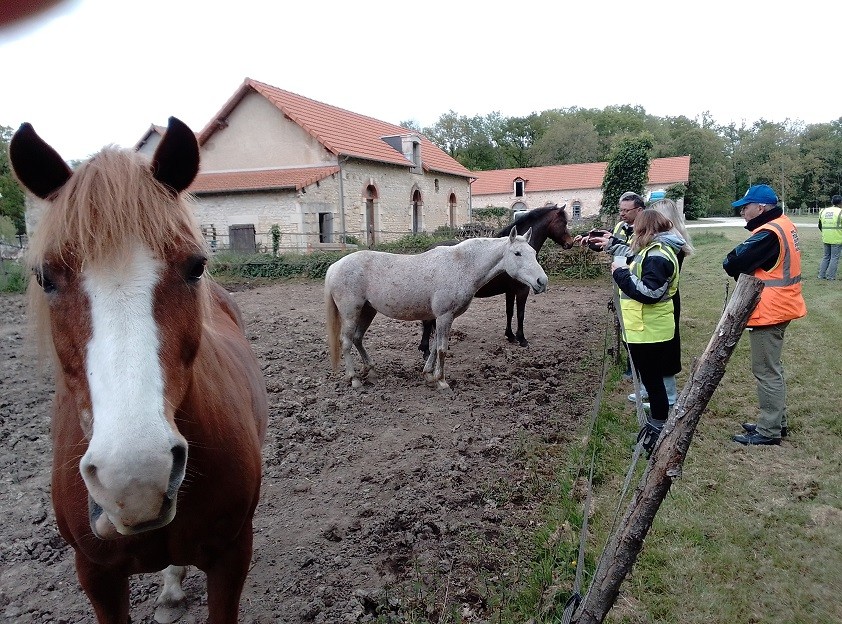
[44, 281]
[517, 253]
[196, 268]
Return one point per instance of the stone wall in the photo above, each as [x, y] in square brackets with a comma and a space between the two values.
[297, 213]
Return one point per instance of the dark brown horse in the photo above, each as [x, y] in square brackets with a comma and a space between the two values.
[547, 222]
[160, 405]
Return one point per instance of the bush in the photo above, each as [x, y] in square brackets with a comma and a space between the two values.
[267, 267]
[576, 263]
[13, 277]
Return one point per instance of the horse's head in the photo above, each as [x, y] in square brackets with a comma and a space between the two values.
[521, 261]
[557, 228]
[118, 292]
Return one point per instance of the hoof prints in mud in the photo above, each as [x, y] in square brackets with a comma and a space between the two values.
[374, 501]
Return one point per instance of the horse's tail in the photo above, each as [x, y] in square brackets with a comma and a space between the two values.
[334, 324]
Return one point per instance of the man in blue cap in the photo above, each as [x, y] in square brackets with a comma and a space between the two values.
[772, 255]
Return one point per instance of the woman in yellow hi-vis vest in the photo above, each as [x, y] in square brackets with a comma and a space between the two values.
[647, 287]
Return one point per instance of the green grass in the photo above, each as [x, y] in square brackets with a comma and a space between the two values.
[13, 277]
[747, 534]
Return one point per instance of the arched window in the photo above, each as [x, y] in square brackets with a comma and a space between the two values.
[370, 196]
[417, 223]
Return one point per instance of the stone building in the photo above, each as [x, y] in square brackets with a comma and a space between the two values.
[579, 186]
[320, 175]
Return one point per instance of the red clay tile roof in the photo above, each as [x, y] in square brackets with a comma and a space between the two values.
[340, 131]
[263, 179]
[572, 177]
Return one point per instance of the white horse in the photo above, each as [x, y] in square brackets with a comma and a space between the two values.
[438, 284]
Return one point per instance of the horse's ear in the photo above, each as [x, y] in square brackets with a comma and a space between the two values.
[528, 235]
[37, 165]
[513, 235]
[176, 160]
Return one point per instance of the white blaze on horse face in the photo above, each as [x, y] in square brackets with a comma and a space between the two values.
[129, 462]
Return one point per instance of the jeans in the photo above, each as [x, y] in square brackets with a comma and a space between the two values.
[672, 391]
[830, 261]
[767, 344]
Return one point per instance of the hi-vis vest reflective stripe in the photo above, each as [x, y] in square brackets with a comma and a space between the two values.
[832, 225]
[650, 322]
[781, 298]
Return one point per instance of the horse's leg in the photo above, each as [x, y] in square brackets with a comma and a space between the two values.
[346, 339]
[367, 315]
[443, 325]
[427, 328]
[431, 354]
[172, 603]
[522, 296]
[510, 311]
[226, 578]
[107, 589]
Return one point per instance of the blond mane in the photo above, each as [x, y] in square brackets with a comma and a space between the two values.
[109, 202]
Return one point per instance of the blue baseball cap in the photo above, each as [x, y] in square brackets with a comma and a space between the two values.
[757, 194]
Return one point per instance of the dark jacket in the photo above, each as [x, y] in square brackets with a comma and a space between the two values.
[759, 251]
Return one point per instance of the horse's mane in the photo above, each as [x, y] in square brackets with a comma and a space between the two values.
[527, 220]
[110, 200]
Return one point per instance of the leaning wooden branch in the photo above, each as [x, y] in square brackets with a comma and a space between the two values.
[668, 455]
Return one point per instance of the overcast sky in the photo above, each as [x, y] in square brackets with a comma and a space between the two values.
[94, 72]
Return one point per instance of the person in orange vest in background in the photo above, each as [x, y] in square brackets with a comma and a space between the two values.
[830, 223]
[772, 255]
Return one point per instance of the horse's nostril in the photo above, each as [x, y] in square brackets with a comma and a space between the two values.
[179, 463]
[90, 471]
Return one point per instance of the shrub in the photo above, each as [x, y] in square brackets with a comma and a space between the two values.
[576, 263]
[13, 277]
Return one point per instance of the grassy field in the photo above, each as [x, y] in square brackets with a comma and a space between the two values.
[749, 534]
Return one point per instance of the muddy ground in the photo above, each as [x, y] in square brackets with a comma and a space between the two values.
[391, 500]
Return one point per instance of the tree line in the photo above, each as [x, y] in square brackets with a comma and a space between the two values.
[803, 163]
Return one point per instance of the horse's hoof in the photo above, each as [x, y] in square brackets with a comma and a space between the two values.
[169, 613]
[443, 385]
[511, 338]
[523, 343]
[428, 377]
[356, 383]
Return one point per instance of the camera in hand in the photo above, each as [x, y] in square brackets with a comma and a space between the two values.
[595, 234]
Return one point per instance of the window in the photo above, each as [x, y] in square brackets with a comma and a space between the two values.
[520, 185]
[577, 210]
[416, 212]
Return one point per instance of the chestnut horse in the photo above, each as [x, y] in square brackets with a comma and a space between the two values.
[438, 284]
[546, 222]
[160, 405]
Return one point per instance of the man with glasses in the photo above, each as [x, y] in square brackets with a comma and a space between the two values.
[772, 255]
[630, 206]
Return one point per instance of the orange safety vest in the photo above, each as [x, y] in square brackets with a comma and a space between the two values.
[781, 299]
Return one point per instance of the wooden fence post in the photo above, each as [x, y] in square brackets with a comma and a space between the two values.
[668, 455]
